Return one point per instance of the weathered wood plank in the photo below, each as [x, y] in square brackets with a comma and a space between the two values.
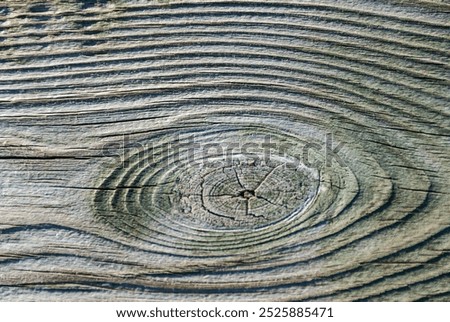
[135, 160]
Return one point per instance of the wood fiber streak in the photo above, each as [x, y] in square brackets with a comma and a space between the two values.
[115, 121]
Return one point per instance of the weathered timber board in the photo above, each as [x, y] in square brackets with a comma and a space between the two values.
[107, 191]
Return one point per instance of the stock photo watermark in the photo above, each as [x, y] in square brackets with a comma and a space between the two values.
[196, 152]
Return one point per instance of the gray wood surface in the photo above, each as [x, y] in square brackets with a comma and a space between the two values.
[110, 191]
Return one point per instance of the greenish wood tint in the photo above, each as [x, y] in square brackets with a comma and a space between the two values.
[225, 150]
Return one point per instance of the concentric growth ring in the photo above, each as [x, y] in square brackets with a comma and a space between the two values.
[198, 190]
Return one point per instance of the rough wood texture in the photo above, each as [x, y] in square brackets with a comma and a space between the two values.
[103, 196]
